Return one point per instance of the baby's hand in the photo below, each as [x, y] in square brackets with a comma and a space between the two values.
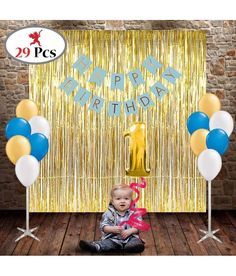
[125, 233]
[117, 229]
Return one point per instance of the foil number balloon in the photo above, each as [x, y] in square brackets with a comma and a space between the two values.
[137, 150]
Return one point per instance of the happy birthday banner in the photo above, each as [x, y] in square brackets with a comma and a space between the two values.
[104, 83]
[117, 82]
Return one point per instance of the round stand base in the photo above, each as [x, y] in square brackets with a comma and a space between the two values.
[209, 234]
[27, 232]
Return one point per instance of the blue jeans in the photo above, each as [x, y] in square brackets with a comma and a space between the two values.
[108, 245]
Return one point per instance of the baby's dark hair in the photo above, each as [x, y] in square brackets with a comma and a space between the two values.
[121, 187]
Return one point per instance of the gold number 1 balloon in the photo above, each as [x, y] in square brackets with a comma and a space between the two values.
[137, 150]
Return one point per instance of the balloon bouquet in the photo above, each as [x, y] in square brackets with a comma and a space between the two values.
[27, 144]
[210, 129]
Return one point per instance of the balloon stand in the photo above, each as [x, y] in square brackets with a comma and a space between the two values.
[209, 233]
[27, 231]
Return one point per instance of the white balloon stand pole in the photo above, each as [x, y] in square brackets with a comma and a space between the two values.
[27, 231]
[209, 233]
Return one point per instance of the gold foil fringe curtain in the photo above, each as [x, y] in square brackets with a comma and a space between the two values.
[88, 153]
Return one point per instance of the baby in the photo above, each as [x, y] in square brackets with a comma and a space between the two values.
[114, 237]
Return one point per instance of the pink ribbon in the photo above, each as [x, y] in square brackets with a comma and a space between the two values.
[138, 212]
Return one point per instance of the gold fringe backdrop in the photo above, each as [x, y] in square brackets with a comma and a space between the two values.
[88, 153]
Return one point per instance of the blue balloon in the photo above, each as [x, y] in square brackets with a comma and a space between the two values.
[39, 145]
[17, 126]
[196, 121]
[218, 140]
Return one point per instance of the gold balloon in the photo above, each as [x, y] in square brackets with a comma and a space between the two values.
[198, 141]
[209, 104]
[16, 147]
[26, 109]
[137, 150]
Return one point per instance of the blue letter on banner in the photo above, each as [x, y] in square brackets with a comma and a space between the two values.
[136, 77]
[82, 64]
[98, 76]
[159, 90]
[117, 81]
[130, 107]
[96, 104]
[114, 108]
[68, 85]
[171, 75]
[151, 64]
[145, 101]
[82, 96]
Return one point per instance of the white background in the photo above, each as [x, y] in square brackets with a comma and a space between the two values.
[49, 39]
[118, 10]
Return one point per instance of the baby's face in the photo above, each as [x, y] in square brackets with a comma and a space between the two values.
[121, 199]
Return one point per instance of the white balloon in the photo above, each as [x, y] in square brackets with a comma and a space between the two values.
[222, 119]
[209, 164]
[27, 169]
[39, 125]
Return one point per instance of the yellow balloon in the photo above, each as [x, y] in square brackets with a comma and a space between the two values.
[16, 147]
[26, 109]
[209, 104]
[137, 150]
[198, 141]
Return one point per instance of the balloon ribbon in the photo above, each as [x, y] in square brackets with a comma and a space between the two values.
[138, 212]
